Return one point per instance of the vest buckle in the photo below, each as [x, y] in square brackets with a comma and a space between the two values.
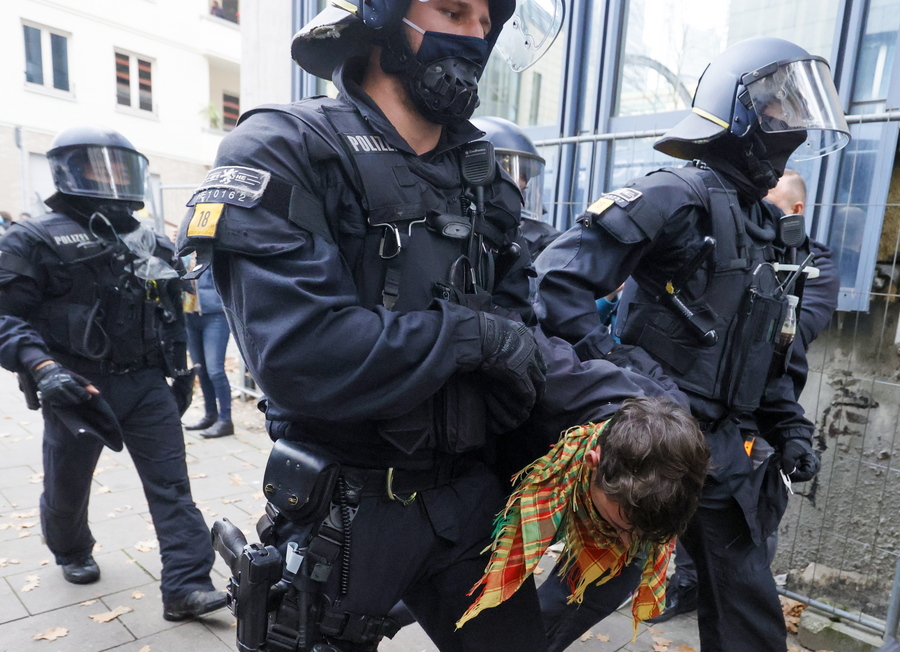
[390, 245]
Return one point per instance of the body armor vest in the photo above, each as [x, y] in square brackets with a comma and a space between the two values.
[740, 303]
[417, 248]
[107, 321]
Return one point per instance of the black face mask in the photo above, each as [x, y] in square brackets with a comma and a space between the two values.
[769, 154]
[442, 77]
[118, 213]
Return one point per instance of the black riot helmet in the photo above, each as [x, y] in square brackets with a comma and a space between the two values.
[519, 157]
[442, 76]
[766, 89]
[99, 163]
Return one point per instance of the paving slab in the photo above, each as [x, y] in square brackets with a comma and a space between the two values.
[11, 608]
[82, 633]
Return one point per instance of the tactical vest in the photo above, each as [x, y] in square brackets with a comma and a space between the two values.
[740, 304]
[108, 321]
[419, 246]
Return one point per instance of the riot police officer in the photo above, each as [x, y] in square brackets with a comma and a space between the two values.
[707, 301]
[90, 318]
[369, 259]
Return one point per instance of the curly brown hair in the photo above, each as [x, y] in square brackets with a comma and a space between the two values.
[653, 460]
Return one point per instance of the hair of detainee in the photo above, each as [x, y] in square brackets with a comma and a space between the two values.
[653, 461]
[796, 187]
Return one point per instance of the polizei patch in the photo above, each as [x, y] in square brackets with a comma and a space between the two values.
[232, 184]
[368, 144]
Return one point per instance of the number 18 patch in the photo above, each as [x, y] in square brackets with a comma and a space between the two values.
[204, 220]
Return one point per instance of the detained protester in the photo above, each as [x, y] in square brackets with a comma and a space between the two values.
[91, 320]
[710, 300]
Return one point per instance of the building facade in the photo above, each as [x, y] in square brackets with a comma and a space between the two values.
[620, 74]
[164, 73]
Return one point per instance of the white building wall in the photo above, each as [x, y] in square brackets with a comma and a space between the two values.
[178, 36]
[266, 56]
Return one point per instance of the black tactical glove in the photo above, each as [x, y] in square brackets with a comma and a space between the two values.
[799, 460]
[61, 387]
[183, 388]
[515, 369]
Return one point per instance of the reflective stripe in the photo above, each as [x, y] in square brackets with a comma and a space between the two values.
[709, 116]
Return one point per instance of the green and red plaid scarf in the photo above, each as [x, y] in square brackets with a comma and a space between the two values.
[552, 501]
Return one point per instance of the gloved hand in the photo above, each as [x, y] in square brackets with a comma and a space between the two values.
[59, 386]
[183, 388]
[799, 460]
[514, 364]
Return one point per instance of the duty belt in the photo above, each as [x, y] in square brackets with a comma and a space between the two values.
[404, 485]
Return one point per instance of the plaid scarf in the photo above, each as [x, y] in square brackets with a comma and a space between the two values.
[552, 500]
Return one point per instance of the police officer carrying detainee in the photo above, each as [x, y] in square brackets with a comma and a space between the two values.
[90, 319]
[375, 280]
[710, 313]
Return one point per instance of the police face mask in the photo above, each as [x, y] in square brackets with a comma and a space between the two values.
[444, 86]
[771, 152]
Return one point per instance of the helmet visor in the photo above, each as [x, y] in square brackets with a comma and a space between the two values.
[800, 96]
[96, 171]
[530, 32]
[528, 173]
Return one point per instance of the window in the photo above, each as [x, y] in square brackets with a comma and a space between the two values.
[231, 111]
[46, 57]
[668, 44]
[134, 82]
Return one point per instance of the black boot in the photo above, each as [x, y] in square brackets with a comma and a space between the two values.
[218, 429]
[83, 571]
[681, 598]
[193, 605]
[204, 423]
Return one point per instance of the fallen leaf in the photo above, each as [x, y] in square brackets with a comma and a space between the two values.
[236, 479]
[603, 637]
[685, 648]
[228, 501]
[137, 595]
[146, 545]
[87, 603]
[97, 547]
[37, 478]
[110, 615]
[661, 641]
[146, 648]
[29, 514]
[4, 526]
[538, 570]
[25, 526]
[31, 583]
[22, 535]
[256, 495]
[102, 490]
[51, 634]
[588, 635]
[657, 647]
[44, 562]
[197, 476]
[111, 515]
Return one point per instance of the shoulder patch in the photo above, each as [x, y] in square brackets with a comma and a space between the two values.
[621, 198]
[204, 220]
[232, 184]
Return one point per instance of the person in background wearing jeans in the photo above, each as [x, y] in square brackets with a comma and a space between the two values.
[208, 335]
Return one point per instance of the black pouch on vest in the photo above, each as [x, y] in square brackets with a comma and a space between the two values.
[752, 343]
[300, 480]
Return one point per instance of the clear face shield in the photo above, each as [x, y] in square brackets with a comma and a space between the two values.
[800, 96]
[95, 171]
[530, 32]
[528, 172]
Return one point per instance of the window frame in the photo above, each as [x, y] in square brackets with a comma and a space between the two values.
[48, 85]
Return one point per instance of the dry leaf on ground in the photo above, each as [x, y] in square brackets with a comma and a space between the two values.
[37, 478]
[87, 603]
[236, 479]
[137, 595]
[792, 610]
[588, 635]
[146, 648]
[603, 638]
[685, 648]
[146, 545]
[110, 615]
[197, 476]
[538, 570]
[228, 501]
[51, 634]
[102, 490]
[31, 583]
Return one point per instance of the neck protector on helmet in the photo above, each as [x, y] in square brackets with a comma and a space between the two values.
[442, 77]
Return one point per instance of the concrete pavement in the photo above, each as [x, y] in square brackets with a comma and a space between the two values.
[226, 476]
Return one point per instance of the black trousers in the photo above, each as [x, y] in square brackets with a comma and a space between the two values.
[565, 623]
[429, 554]
[144, 405]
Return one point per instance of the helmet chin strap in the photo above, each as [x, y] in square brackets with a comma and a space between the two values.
[762, 173]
